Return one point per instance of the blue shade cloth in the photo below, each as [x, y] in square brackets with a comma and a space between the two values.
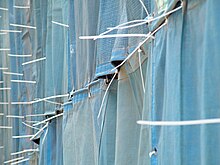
[129, 110]
[56, 51]
[114, 50]
[84, 136]
[130, 10]
[180, 77]
[51, 144]
[108, 17]
[83, 21]
[184, 86]
[81, 132]
[108, 130]
[19, 43]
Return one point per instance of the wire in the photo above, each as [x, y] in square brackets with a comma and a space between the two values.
[61, 24]
[142, 77]
[33, 61]
[144, 7]
[23, 26]
[150, 34]
[103, 99]
[45, 126]
[12, 160]
[179, 123]
[44, 121]
[111, 36]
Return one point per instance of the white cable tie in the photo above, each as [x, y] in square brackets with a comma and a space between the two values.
[11, 31]
[12, 160]
[39, 100]
[21, 7]
[66, 103]
[152, 153]
[23, 26]
[13, 116]
[23, 81]
[13, 73]
[179, 123]
[150, 19]
[2, 89]
[4, 49]
[3, 8]
[24, 151]
[111, 36]
[22, 136]
[38, 132]
[5, 127]
[3, 68]
[61, 24]
[122, 26]
[37, 115]
[19, 55]
[103, 99]
[140, 44]
[89, 93]
[21, 103]
[4, 103]
[28, 121]
[3, 33]
[33, 61]
[30, 126]
[140, 66]
[144, 7]
[48, 119]
[1, 114]
[50, 97]
[1, 147]
[45, 135]
[113, 28]
[20, 161]
[92, 82]
[52, 102]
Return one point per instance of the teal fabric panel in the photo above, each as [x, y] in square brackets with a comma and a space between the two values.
[56, 51]
[80, 130]
[184, 86]
[5, 134]
[51, 144]
[108, 17]
[181, 80]
[83, 21]
[166, 88]
[108, 127]
[19, 43]
[200, 81]
[129, 10]
[129, 110]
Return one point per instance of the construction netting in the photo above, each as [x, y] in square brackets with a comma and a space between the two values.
[109, 82]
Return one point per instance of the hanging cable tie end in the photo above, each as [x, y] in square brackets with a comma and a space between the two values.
[166, 20]
[152, 37]
[154, 152]
[89, 93]
[150, 18]
[110, 28]
[151, 153]
[71, 93]
[139, 50]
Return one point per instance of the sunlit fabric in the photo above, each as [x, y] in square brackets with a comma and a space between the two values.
[68, 99]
